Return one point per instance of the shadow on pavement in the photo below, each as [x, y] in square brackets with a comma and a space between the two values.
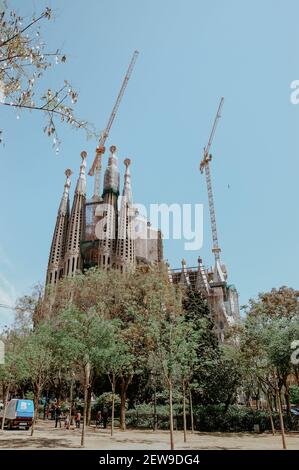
[44, 443]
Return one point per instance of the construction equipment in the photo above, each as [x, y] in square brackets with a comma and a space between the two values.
[204, 167]
[97, 163]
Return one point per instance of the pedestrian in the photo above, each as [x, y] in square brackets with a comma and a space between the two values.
[53, 412]
[67, 421]
[99, 419]
[78, 419]
[58, 414]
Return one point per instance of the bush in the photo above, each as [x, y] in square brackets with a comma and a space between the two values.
[294, 394]
[213, 418]
[105, 401]
[142, 416]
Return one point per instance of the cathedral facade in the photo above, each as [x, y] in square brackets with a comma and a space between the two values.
[107, 231]
[104, 231]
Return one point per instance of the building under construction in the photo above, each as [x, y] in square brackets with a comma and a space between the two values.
[98, 233]
[110, 234]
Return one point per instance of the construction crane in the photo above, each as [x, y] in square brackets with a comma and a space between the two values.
[204, 167]
[97, 163]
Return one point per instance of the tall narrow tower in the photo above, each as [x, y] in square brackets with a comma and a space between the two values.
[72, 261]
[108, 213]
[125, 248]
[56, 266]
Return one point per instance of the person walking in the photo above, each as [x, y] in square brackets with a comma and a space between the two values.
[78, 419]
[67, 421]
[99, 419]
[58, 413]
[53, 408]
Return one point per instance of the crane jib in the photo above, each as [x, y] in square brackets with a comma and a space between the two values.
[95, 165]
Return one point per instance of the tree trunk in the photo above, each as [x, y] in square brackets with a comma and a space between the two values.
[125, 382]
[171, 416]
[227, 403]
[270, 415]
[86, 386]
[58, 387]
[113, 404]
[88, 406]
[123, 396]
[5, 400]
[275, 402]
[284, 446]
[288, 402]
[71, 392]
[191, 410]
[155, 427]
[37, 389]
[257, 397]
[184, 411]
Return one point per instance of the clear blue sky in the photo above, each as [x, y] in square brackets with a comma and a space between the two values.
[192, 52]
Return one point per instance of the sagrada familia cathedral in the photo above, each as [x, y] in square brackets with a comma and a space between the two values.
[101, 232]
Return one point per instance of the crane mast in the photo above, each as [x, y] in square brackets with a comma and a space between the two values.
[204, 167]
[95, 170]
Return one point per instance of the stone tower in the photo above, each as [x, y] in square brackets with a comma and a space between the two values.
[72, 261]
[56, 257]
[108, 213]
[125, 247]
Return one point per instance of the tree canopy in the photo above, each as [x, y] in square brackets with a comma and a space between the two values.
[24, 59]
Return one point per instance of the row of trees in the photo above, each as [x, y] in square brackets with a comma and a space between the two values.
[265, 350]
[123, 326]
[124, 330]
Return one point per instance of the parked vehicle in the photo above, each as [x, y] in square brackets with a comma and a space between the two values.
[295, 411]
[19, 414]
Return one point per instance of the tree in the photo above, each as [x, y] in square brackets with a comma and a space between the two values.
[130, 298]
[23, 61]
[172, 340]
[12, 371]
[84, 339]
[37, 360]
[215, 375]
[282, 302]
[28, 309]
[120, 359]
[266, 347]
[187, 362]
[277, 313]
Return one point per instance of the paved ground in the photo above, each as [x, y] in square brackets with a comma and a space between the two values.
[47, 437]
